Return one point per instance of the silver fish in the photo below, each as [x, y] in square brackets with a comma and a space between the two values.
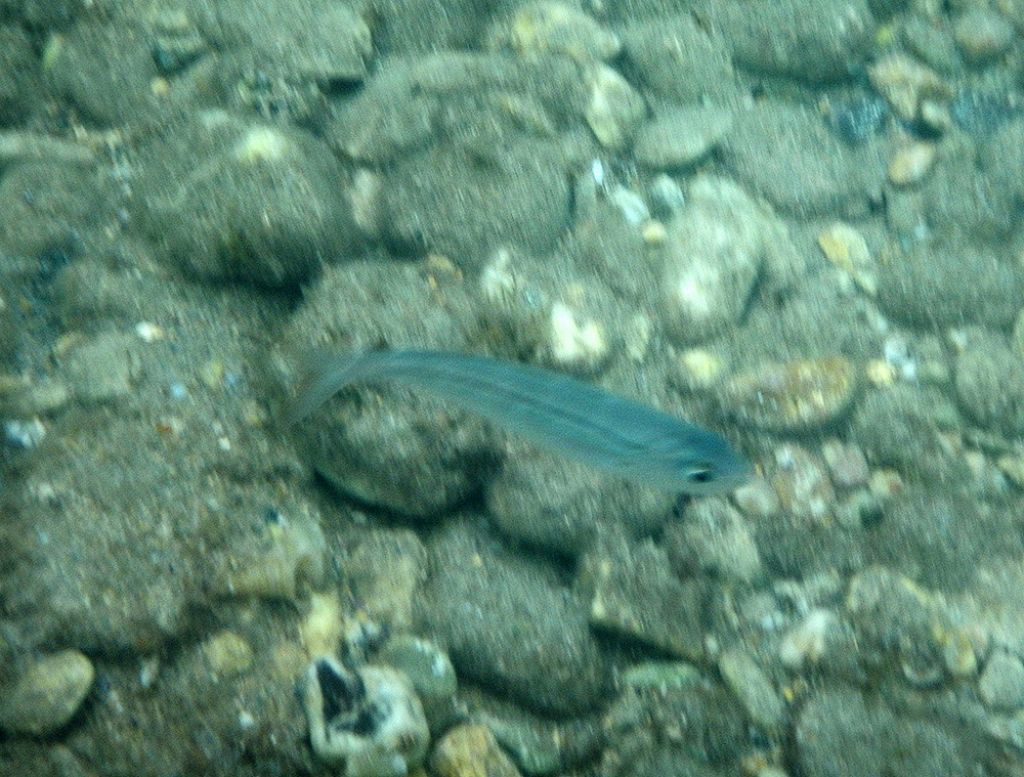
[552, 410]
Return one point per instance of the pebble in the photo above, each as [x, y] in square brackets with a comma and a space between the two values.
[574, 342]
[880, 373]
[757, 499]
[960, 652]
[661, 675]
[907, 84]
[794, 396]
[806, 643]
[699, 368]
[667, 197]
[634, 592]
[227, 654]
[911, 163]
[102, 369]
[630, 204]
[885, 483]
[471, 751]
[320, 630]
[982, 34]
[654, 233]
[24, 435]
[715, 250]
[555, 27]
[47, 694]
[149, 332]
[425, 664]
[747, 680]
[844, 246]
[682, 136]
[1001, 684]
[802, 484]
[614, 109]
[846, 463]
[715, 539]
[288, 552]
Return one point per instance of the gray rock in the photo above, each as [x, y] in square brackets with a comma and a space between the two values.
[681, 136]
[422, 27]
[304, 40]
[471, 99]
[1001, 684]
[904, 627]
[114, 569]
[785, 153]
[202, 197]
[694, 729]
[750, 683]
[982, 34]
[974, 219]
[510, 626]
[839, 732]
[19, 75]
[126, 508]
[715, 250]
[431, 673]
[540, 27]
[714, 539]
[107, 70]
[990, 383]
[900, 426]
[466, 203]
[385, 569]
[942, 539]
[563, 506]
[47, 694]
[614, 108]
[673, 45]
[815, 320]
[933, 44]
[387, 445]
[101, 369]
[47, 209]
[633, 593]
[816, 43]
[928, 288]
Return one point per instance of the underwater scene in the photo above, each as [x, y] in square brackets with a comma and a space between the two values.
[482, 388]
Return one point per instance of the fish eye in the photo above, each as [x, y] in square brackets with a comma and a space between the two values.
[703, 473]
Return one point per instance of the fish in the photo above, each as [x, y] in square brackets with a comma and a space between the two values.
[552, 410]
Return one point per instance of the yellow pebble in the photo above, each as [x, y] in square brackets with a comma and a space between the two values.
[880, 373]
[654, 233]
[911, 163]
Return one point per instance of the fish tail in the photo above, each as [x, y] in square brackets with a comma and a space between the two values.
[323, 374]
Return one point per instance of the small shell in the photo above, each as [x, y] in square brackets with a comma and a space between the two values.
[368, 720]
